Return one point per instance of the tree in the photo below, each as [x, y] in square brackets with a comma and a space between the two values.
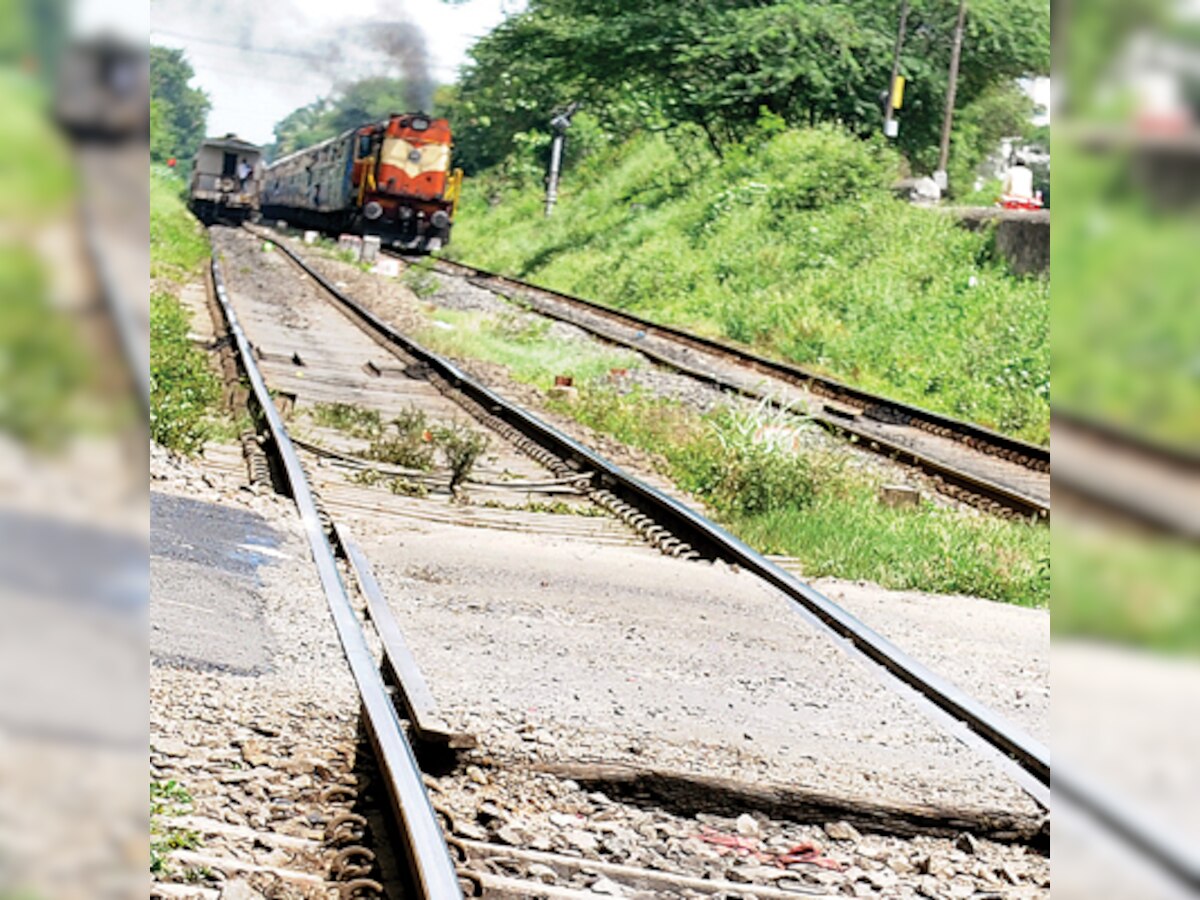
[718, 64]
[178, 111]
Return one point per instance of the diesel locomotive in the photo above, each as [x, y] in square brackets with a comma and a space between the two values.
[393, 179]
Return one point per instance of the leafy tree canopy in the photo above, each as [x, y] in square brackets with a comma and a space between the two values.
[721, 64]
[178, 111]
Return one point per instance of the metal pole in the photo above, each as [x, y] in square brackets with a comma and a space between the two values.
[955, 54]
[555, 165]
[888, 110]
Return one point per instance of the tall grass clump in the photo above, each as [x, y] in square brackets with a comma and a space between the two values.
[793, 244]
[808, 505]
[184, 390]
[178, 243]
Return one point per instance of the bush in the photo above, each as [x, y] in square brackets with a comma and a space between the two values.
[184, 391]
[795, 245]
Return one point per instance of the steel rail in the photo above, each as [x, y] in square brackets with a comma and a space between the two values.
[969, 433]
[432, 868]
[712, 541]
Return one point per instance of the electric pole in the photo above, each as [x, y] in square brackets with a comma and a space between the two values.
[890, 128]
[955, 54]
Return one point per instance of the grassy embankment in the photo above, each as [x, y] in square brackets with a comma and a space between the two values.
[184, 391]
[795, 247]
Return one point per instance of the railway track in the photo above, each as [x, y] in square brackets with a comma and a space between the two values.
[682, 532]
[973, 464]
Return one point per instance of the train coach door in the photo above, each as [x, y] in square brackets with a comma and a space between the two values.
[363, 176]
[229, 165]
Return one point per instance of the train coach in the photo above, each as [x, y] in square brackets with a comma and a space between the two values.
[226, 180]
[393, 179]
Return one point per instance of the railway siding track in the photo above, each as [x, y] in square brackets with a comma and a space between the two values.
[966, 461]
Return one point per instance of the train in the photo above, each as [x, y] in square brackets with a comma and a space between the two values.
[392, 178]
[226, 180]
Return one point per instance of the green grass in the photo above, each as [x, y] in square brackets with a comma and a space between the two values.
[1125, 323]
[184, 390]
[523, 345]
[812, 507]
[36, 176]
[44, 370]
[795, 247]
[178, 243]
[1127, 588]
[808, 506]
[168, 799]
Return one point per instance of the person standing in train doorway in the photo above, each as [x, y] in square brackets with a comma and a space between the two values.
[244, 171]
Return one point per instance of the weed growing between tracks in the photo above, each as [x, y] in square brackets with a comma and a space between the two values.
[793, 245]
[168, 799]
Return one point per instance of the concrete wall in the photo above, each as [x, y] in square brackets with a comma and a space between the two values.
[1022, 237]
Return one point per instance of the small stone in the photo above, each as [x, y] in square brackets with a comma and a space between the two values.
[255, 753]
[476, 774]
[170, 747]
[747, 825]
[581, 841]
[542, 873]
[842, 831]
[564, 820]
[237, 889]
[967, 843]
[509, 835]
[605, 886]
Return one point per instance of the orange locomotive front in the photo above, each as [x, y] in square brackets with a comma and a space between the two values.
[405, 188]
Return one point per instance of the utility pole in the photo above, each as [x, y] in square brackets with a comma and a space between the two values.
[890, 128]
[955, 54]
[560, 124]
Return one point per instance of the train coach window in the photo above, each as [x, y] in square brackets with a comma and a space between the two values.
[364, 146]
[229, 165]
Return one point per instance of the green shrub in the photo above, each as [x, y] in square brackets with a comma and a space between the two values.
[184, 391]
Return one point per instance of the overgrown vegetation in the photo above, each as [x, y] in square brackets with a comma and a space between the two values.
[168, 799]
[716, 67]
[813, 507]
[752, 469]
[178, 243]
[356, 421]
[178, 111]
[1127, 588]
[42, 367]
[408, 440]
[792, 244]
[184, 390]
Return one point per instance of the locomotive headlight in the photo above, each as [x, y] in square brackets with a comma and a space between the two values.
[372, 210]
[440, 219]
